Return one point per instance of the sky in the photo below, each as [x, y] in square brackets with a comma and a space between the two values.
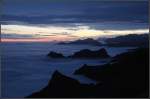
[63, 20]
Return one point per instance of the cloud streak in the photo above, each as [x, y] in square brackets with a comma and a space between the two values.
[68, 32]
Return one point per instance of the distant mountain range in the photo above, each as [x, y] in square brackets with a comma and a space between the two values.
[129, 40]
[85, 53]
[88, 41]
[136, 40]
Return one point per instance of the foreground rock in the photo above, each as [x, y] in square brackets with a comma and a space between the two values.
[128, 74]
[55, 55]
[86, 53]
[61, 86]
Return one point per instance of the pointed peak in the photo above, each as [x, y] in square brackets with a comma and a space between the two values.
[56, 72]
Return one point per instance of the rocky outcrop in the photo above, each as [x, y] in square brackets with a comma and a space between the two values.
[128, 74]
[61, 86]
[86, 53]
[55, 55]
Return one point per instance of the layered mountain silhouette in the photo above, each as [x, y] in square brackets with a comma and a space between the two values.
[85, 53]
[126, 76]
[88, 41]
[134, 40]
[137, 40]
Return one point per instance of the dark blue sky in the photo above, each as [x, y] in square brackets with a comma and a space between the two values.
[73, 19]
[74, 10]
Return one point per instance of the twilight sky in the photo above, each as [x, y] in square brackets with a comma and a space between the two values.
[61, 20]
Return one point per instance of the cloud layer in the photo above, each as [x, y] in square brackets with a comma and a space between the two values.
[51, 20]
[51, 11]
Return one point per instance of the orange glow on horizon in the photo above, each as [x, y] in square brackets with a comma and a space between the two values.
[22, 40]
[46, 39]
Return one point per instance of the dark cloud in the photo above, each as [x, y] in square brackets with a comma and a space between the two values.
[57, 11]
[117, 26]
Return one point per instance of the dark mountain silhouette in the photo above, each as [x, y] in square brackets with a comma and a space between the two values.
[86, 53]
[88, 41]
[62, 86]
[129, 40]
[126, 76]
[55, 55]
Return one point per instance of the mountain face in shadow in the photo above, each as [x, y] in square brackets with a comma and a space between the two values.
[126, 76]
[129, 40]
[88, 41]
[61, 86]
